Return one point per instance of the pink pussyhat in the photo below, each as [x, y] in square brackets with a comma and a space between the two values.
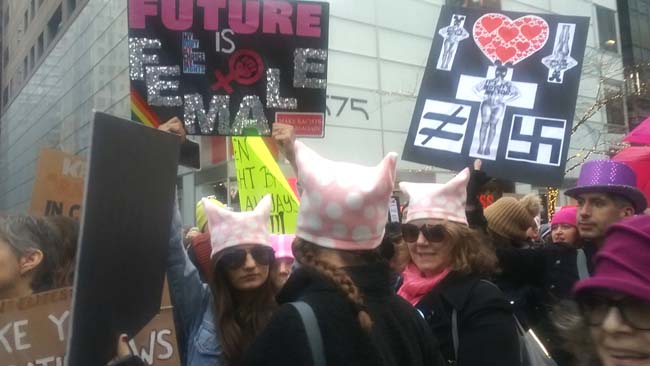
[343, 206]
[281, 244]
[229, 229]
[567, 215]
[438, 201]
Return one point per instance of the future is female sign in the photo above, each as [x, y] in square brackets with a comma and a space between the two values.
[228, 67]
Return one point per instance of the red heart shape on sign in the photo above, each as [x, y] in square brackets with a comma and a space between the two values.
[508, 33]
[484, 40]
[522, 46]
[491, 24]
[531, 32]
[506, 53]
[502, 39]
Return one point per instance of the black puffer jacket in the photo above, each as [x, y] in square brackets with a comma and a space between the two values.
[486, 327]
[399, 336]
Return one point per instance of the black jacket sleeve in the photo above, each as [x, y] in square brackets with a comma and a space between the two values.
[283, 342]
[524, 266]
[487, 330]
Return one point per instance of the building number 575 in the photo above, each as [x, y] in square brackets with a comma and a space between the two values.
[355, 105]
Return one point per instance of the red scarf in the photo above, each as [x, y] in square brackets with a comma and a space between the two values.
[415, 286]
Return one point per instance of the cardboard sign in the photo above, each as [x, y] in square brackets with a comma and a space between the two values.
[258, 175]
[34, 332]
[500, 87]
[59, 184]
[227, 67]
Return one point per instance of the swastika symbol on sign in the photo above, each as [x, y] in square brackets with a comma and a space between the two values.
[536, 139]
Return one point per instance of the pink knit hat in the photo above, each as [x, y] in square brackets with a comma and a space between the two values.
[282, 245]
[229, 229]
[343, 206]
[438, 201]
[566, 215]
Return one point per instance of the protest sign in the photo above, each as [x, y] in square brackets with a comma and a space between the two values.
[227, 67]
[124, 235]
[258, 174]
[59, 184]
[501, 87]
[34, 332]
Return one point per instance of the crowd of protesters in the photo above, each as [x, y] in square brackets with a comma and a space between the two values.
[452, 284]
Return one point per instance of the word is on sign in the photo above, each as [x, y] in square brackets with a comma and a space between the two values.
[227, 66]
[258, 174]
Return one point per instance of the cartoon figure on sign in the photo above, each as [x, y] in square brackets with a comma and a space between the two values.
[496, 93]
[452, 34]
[561, 60]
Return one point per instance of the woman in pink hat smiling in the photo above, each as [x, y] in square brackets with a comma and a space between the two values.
[446, 277]
[339, 307]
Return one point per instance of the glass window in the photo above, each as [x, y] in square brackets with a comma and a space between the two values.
[614, 108]
[72, 4]
[54, 24]
[26, 20]
[5, 96]
[33, 8]
[606, 29]
[40, 45]
[492, 4]
[32, 56]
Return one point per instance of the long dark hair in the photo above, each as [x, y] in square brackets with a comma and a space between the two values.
[239, 323]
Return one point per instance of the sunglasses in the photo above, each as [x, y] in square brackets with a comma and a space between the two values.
[234, 258]
[635, 312]
[433, 233]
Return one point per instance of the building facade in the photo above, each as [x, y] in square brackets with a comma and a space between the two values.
[378, 50]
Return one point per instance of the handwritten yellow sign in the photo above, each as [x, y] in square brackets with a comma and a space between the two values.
[258, 174]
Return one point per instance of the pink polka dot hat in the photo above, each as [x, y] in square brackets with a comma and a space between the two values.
[281, 244]
[438, 201]
[229, 228]
[343, 205]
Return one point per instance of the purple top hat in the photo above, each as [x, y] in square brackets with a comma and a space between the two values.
[607, 176]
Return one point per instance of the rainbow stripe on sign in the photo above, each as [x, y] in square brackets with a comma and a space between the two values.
[142, 111]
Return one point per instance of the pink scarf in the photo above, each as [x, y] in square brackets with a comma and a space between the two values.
[415, 286]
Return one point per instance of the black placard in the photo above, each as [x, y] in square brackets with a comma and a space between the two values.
[124, 236]
[500, 87]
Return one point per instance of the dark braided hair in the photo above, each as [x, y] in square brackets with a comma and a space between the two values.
[307, 254]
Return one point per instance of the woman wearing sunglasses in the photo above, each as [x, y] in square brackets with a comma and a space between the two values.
[341, 277]
[615, 301]
[445, 279]
[217, 323]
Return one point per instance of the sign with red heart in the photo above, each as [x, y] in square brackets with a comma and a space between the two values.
[501, 38]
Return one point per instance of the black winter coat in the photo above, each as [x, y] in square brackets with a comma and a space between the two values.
[553, 269]
[486, 326]
[399, 336]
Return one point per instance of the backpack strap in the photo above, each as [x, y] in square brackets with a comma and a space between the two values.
[454, 332]
[581, 264]
[313, 332]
